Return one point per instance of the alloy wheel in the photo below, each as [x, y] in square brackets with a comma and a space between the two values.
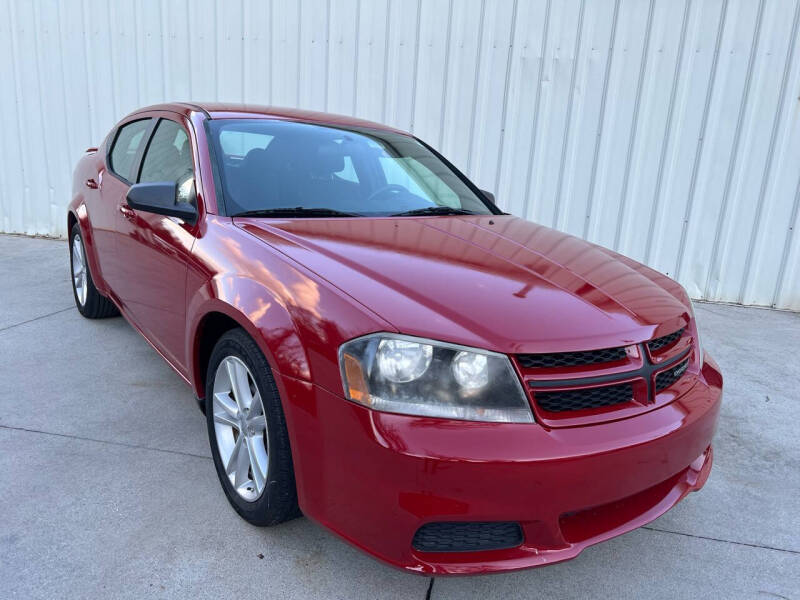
[79, 270]
[240, 427]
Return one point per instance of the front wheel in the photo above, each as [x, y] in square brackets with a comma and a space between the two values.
[91, 303]
[247, 432]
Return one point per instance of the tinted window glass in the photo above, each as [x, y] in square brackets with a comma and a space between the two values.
[269, 164]
[236, 144]
[169, 156]
[123, 153]
[419, 179]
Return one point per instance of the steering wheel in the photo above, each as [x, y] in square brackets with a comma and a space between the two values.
[389, 189]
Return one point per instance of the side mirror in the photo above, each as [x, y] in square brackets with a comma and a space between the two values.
[161, 198]
[489, 196]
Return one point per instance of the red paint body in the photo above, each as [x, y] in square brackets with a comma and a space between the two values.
[302, 287]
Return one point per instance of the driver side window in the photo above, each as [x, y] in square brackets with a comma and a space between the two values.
[168, 156]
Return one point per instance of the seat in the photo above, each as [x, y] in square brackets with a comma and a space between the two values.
[294, 171]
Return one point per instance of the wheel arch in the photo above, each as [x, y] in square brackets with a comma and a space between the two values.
[71, 220]
[210, 329]
[266, 321]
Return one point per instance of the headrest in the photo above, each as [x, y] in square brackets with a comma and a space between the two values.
[327, 159]
[254, 158]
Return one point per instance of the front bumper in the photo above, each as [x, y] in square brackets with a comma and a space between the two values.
[375, 478]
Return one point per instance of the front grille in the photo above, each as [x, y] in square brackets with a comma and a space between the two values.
[670, 376]
[581, 399]
[570, 359]
[664, 341]
[467, 536]
[590, 390]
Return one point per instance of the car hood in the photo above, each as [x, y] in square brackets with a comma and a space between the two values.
[495, 282]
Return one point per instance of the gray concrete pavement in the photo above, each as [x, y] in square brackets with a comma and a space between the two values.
[107, 489]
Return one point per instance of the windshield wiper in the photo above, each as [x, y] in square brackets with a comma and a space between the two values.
[296, 211]
[435, 210]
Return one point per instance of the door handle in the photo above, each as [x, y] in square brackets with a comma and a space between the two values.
[127, 211]
[91, 183]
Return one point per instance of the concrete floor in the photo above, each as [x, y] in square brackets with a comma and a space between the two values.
[107, 489]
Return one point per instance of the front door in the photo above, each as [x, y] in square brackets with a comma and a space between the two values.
[153, 250]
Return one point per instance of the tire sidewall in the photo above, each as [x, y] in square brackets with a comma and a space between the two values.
[96, 306]
[265, 510]
[76, 230]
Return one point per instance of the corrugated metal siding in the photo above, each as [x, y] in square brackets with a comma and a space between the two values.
[668, 130]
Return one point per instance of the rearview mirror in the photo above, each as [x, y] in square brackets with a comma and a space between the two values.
[161, 198]
[489, 196]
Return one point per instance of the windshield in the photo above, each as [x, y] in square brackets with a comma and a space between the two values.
[271, 167]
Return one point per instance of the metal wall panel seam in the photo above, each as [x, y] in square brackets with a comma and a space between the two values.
[770, 152]
[45, 146]
[634, 126]
[355, 57]
[165, 53]
[701, 142]
[416, 67]
[478, 51]
[387, 36]
[189, 40]
[447, 40]
[327, 49]
[136, 55]
[576, 53]
[534, 129]
[245, 67]
[216, 51]
[5, 193]
[18, 106]
[112, 54]
[667, 132]
[67, 122]
[601, 120]
[787, 245]
[506, 84]
[732, 161]
[298, 78]
[89, 71]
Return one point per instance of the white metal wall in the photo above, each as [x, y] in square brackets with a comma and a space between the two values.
[666, 129]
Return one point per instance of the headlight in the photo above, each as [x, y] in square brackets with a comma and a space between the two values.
[414, 376]
[402, 361]
[471, 370]
[698, 343]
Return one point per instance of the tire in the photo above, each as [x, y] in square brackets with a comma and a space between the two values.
[260, 498]
[91, 303]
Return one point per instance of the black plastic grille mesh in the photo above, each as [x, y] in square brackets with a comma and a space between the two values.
[670, 376]
[467, 537]
[594, 397]
[570, 359]
[664, 341]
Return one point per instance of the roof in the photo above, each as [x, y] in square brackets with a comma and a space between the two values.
[232, 110]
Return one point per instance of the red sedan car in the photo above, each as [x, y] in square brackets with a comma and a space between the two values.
[450, 388]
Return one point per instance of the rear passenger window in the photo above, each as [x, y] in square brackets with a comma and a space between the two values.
[169, 156]
[125, 147]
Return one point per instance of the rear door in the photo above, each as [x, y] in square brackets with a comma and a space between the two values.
[123, 151]
[153, 250]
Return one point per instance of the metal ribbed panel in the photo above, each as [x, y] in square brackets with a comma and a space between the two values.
[664, 129]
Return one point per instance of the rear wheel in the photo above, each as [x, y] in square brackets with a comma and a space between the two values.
[91, 303]
[247, 432]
